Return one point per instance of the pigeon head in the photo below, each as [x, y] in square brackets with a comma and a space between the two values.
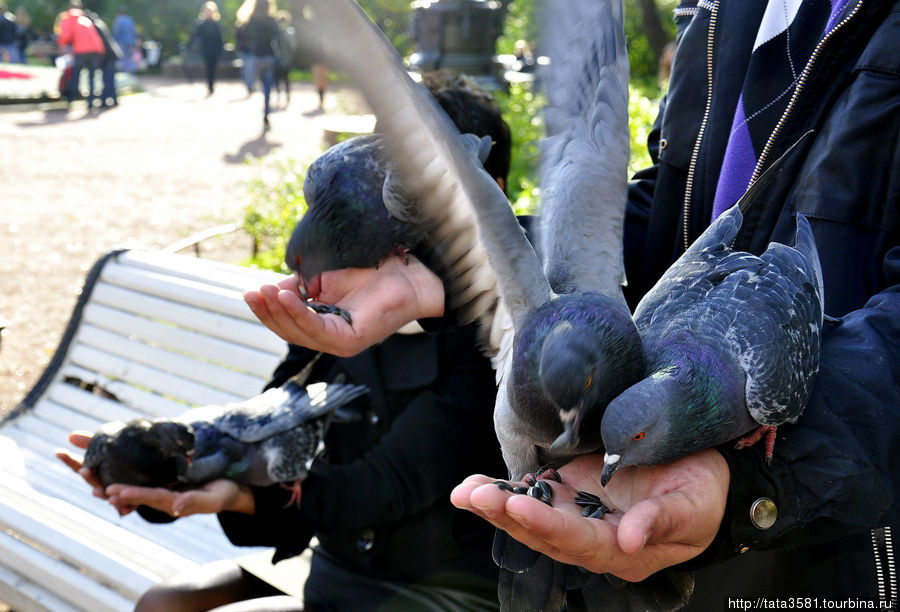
[141, 452]
[636, 426]
[574, 375]
[174, 438]
[346, 224]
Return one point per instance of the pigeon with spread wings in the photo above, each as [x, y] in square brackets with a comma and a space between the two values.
[563, 340]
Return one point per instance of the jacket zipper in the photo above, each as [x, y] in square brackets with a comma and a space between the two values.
[885, 567]
[689, 187]
[797, 90]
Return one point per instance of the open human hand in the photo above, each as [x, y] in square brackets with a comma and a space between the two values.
[215, 496]
[379, 300]
[664, 515]
[81, 439]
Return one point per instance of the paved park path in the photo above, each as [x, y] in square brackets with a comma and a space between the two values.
[161, 165]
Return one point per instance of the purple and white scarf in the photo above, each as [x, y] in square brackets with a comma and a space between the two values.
[787, 37]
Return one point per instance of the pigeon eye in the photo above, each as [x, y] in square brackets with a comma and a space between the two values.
[638, 436]
[589, 381]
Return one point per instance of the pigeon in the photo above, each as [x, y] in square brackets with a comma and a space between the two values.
[271, 438]
[559, 331]
[346, 224]
[732, 343]
[564, 340]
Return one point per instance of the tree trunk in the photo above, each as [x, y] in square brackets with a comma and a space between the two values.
[653, 28]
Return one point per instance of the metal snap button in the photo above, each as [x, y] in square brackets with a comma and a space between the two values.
[763, 513]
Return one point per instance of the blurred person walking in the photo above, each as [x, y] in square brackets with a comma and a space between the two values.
[111, 56]
[125, 34]
[242, 38]
[24, 32]
[77, 31]
[207, 33]
[264, 34]
[8, 50]
[284, 55]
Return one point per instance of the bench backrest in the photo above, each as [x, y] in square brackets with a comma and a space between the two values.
[153, 334]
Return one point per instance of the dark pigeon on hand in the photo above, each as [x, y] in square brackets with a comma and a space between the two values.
[346, 224]
[732, 342]
[272, 438]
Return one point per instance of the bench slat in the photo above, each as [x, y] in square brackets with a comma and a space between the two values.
[192, 317]
[58, 581]
[247, 359]
[230, 381]
[81, 539]
[183, 290]
[240, 278]
[73, 398]
[150, 404]
[151, 379]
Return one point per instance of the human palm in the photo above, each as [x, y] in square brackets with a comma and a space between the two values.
[663, 515]
[379, 300]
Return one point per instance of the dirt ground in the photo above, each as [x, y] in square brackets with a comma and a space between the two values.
[160, 166]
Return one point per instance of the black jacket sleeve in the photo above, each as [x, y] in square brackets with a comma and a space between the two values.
[439, 438]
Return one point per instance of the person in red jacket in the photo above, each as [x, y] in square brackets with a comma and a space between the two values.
[76, 30]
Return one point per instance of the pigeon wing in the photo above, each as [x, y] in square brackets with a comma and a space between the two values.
[283, 409]
[584, 162]
[474, 236]
[778, 345]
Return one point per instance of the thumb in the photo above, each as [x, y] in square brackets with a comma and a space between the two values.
[649, 521]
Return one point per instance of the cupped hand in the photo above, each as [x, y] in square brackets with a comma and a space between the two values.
[213, 497]
[81, 439]
[664, 515]
[380, 301]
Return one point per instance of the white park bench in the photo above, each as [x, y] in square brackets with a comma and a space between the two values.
[153, 334]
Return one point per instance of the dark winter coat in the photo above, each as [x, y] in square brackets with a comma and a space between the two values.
[207, 33]
[834, 479]
[378, 500]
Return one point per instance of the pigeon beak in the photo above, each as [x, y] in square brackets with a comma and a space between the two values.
[610, 465]
[568, 439]
[301, 285]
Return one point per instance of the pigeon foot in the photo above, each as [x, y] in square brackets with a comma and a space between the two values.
[330, 309]
[296, 493]
[763, 431]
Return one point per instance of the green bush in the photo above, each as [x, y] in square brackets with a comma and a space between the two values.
[275, 205]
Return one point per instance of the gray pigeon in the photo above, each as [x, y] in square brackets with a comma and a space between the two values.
[272, 438]
[732, 342]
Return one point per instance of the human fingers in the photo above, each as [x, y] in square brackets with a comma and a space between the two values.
[213, 497]
[73, 461]
[129, 497]
[79, 438]
[461, 495]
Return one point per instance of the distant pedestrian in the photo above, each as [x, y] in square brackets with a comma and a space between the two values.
[125, 33]
[24, 33]
[264, 39]
[8, 50]
[242, 38]
[76, 30]
[207, 34]
[284, 54]
[111, 56]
